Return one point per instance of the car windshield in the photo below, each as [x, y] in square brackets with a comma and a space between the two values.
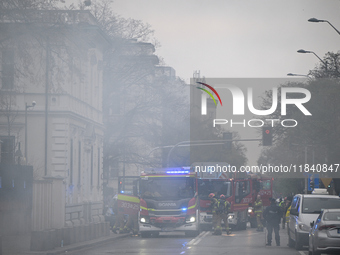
[332, 216]
[219, 187]
[317, 204]
[171, 188]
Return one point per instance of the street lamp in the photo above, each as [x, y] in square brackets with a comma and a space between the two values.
[321, 20]
[26, 107]
[308, 51]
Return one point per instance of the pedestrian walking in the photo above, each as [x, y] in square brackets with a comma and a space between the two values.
[272, 215]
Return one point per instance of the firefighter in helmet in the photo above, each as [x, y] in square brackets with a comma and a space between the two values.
[258, 206]
[224, 213]
[214, 204]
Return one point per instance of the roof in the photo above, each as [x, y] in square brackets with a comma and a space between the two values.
[319, 196]
[331, 210]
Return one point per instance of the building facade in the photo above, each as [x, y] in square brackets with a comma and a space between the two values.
[51, 116]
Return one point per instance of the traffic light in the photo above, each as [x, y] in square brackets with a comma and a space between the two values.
[267, 136]
[228, 145]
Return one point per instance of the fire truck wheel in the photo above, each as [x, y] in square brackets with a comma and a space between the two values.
[145, 234]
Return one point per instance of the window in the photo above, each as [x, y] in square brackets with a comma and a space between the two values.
[265, 185]
[242, 190]
[295, 202]
[91, 177]
[217, 186]
[7, 149]
[71, 162]
[79, 163]
[7, 75]
[331, 216]
[160, 188]
[98, 180]
[316, 204]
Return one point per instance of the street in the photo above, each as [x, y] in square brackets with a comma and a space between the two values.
[239, 242]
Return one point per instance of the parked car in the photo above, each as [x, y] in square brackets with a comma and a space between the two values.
[324, 236]
[304, 210]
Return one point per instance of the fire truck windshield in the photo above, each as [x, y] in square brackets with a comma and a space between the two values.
[162, 188]
[219, 187]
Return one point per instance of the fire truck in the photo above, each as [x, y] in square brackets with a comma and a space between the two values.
[176, 199]
[168, 201]
[216, 183]
[240, 192]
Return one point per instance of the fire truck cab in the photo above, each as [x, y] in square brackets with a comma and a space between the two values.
[211, 183]
[168, 201]
[242, 196]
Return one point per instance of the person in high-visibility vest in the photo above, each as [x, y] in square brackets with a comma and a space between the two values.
[119, 223]
[224, 214]
[215, 218]
[288, 214]
[258, 206]
[132, 224]
[282, 205]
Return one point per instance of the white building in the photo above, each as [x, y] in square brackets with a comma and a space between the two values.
[55, 58]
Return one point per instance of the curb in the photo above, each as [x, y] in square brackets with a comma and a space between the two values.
[76, 246]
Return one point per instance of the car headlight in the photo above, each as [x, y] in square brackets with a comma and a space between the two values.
[230, 217]
[144, 220]
[304, 227]
[190, 219]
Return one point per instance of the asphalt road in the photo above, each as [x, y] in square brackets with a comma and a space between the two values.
[239, 242]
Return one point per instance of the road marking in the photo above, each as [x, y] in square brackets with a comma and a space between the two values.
[302, 252]
[199, 238]
[193, 240]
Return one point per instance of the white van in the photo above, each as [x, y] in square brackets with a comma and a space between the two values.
[305, 209]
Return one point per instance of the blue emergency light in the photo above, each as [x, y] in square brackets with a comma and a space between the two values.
[184, 209]
[177, 172]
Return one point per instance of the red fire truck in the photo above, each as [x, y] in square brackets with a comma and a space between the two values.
[211, 183]
[176, 199]
[168, 201]
[241, 193]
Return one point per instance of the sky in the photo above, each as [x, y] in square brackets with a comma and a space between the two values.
[238, 39]
[228, 38]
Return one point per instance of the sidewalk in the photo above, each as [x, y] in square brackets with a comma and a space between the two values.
[76, 246]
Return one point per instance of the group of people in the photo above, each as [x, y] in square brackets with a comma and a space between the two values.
[272, 216]
[121, 225]
[220, 209]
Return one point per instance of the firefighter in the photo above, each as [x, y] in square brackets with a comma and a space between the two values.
[288, 207]
[273, 215]
[258, 206]
[284, 211]
[119, 223]
[214, 205]
[282, 205]
[132, 224]
[224, 214]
